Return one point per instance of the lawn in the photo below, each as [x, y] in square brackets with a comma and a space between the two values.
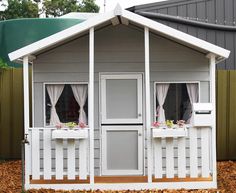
[10, 180]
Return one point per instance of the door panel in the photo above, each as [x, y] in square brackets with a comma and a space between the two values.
[121, 99]
[122, 150]
[123, 155]
[121, 94]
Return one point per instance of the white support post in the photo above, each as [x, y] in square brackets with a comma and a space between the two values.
[91, 103]
[26, 116]
[212, 64]
[148, 105]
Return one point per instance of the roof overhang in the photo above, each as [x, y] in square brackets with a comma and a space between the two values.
[115, 16]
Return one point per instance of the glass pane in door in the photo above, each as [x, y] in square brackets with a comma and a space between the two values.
[121, 98]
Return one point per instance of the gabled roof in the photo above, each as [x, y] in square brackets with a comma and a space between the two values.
[125, 16]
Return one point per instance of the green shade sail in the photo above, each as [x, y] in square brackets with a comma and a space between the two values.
[18, 33]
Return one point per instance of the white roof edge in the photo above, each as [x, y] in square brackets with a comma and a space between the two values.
[60, 36]
[94, 21]
[184, 37]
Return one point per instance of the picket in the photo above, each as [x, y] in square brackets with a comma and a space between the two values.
[205, 153]
[169, 158]
[35, 154]
[71, 158]
[181, 157]
[47, 157]
[59, 159]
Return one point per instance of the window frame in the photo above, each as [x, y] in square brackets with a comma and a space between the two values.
[44, 97]
[172, 82]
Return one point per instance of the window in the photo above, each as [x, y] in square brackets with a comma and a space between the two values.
[174, 101]
[66, 103]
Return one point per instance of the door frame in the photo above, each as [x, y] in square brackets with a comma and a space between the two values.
[139, 171]
[103, 78]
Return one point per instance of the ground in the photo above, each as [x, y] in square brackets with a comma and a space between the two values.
[10, 181]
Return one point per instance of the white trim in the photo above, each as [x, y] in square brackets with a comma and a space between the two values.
[148, 104]
[173, 82]
[26, 116]
[91, 104]
[127, 186]
[213, 101]
[101, 18]
[32, 93]
[44, 98]
[103, 79]
[105, 170]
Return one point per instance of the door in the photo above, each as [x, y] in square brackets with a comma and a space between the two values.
[122, 124]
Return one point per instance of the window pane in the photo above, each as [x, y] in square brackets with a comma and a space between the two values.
[177, 105]
[67, 107]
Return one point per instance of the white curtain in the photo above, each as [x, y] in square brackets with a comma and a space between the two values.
[54, 92]
[162, 90]
[193, 97]
[81, 93]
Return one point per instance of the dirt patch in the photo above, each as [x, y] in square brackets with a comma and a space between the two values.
[10, 181]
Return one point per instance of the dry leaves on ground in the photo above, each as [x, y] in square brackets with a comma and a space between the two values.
[10, 181]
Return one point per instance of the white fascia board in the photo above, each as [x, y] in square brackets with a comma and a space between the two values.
[176, 34]
[60, 36]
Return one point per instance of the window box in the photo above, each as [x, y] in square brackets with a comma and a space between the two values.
[163, 132]
[70, 134]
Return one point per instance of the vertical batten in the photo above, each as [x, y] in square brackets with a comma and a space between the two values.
[47, 154]
[91, 103]
[71, 159]
[35, 154]
[158, 170]
[59, 159]
[148, 105]
[212, 64]
[169, 158]
[26, 116]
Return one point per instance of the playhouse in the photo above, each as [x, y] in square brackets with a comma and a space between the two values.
[120, 102]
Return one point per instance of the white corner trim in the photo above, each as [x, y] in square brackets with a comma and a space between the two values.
[118, 11]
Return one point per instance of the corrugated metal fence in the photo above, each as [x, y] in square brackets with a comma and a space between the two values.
[11, 114]
[226, 114]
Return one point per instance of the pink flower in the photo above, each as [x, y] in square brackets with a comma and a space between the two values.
[180, 123]
[156, 124]
[82, 125]
[59, 126]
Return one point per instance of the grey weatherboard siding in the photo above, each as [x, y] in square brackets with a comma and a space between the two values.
[220, 12]
[118, 49]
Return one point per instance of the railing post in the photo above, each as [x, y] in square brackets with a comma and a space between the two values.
[91, 103]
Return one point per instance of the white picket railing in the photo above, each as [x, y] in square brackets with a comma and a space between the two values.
[56, 157]
[183, 156]
[173, 157]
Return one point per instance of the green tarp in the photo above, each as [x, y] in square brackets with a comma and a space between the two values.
[18, 33]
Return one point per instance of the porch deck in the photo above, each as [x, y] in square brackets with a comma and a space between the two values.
[117, 179]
